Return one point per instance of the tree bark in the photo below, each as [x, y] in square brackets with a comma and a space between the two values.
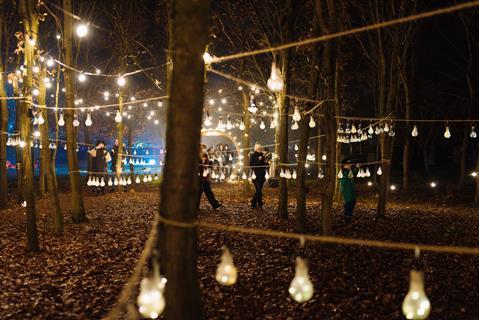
[405, 163]
[130, 151]
[189, 25]
[3, 124]
[119, 128]
[77, 207]
[245, 141]
[30, 22]
[49, 173]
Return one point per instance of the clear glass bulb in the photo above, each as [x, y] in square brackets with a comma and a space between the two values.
[76, 123]
[295, 125]
[312, 124]
[447, 133]
[262, 126]
[416, 305]
[118, 117]
[88, 121]
[241, 127]
[380, 171]
[40, 119]
[414, 131]
[275, 81]
[81, 30]
[370, 130]
[137, 180]
[253, 176]
[340, 174]
[266, 176]
[121, 81]
[294, 175]
[226, 273]
[151, 301]
[301, 288]
[296, 114]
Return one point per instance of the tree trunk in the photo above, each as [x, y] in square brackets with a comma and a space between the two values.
[386, 143]
[78, 210]
[246, 144]
[18, 151]
[119, 128]
[189, 25]
[476, 194]
[405, 164]
[42, 187]
[463, 164]
[49, 173]
[30, 22]
[3, 127]
[130, 151]
[301, 175]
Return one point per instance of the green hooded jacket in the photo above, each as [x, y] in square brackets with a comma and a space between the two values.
[346, 185]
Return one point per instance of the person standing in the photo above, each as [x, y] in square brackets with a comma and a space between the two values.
[100, 158]
[205, 167]
[114, 156]
[259, 165]
[347, 189]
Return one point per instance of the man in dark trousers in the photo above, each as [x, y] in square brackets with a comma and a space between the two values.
[114, 156]
[259, 165]
[205, 167]
[100, 158]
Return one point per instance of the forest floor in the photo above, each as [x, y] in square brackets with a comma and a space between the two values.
[80, 274]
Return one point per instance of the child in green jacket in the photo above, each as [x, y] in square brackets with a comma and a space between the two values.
[346, 184]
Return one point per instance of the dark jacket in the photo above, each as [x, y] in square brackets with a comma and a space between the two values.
[203, 166]
[100, 157]
[259, 165]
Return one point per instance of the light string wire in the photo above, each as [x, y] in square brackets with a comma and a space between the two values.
[379, 25]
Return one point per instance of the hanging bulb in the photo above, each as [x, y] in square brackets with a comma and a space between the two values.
[296, 114]
[110, 183]
[266, 176]
[281, 173]
[368, 173]
[229, 125]
[206, 172]
[81, 30]
[447, 133]
[353, 129]
[294, 175]
[473, 133]
[262, 126]
[380, 171]
[128, 182]
[121, 81]
[253, 176]
[102, 183]
[89, 182]
[241, 127]
[340, 174]
[118, 117]
[61, 121]
[370, 130]
[301, 288]
[350, 174]
[226, 273]
[272, 125]
[295, 125]
[40, 119]
[287, 174]
[312, 124]
[137, 180]
[88, 121]
[207, 122]
[414, 131]
[82, 77]
[296, 148]
[76, 123]
[416, 305]
[244, 176]
[151, 301]
[275, 81]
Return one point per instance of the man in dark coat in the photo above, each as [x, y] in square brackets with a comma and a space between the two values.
[205, 167]
[100, 158]
[114, 156]
[259, 165]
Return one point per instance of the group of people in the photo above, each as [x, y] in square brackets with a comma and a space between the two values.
[259, 164]
[221, 157]
[100, 157]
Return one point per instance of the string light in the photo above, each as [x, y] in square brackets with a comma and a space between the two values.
[88, 121]
[121, 81]
[207, 58]
[416, 304]
[226, 273]
[151, 300]
[447, 133]
[296, 114]
[414, 131]
[118, 117]
[275, 81]
[81, 30]
[312, 124]
[82, 77]
[301, 288]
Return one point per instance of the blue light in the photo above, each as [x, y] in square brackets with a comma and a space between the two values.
[152, 162]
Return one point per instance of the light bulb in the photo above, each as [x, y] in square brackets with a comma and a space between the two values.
[241, 127]
[151, 301]
[207, 58]
[301, 287]
[473, 133]
[226, 273]
[118, 117]
[414, 132]
[36, 134]
[137, 180]
[340, 174]
[296, 114]
[447, 133]
[266, 176]
[294, 175]
[244, 176]
[253, 176]
[380, 171]
[110, 183]
[88, 121]
[370, 130]
[61, 121]
[82, 77]
[272, 125]
[81, 30]
[207, 121]
[35, 92]
[36, 69]
[295, 125]
[275, 81]
[416, 305]
[262, 126]
[312, 124]
[40, 119]
[121, 81]
[287, 174]
[76, 123]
